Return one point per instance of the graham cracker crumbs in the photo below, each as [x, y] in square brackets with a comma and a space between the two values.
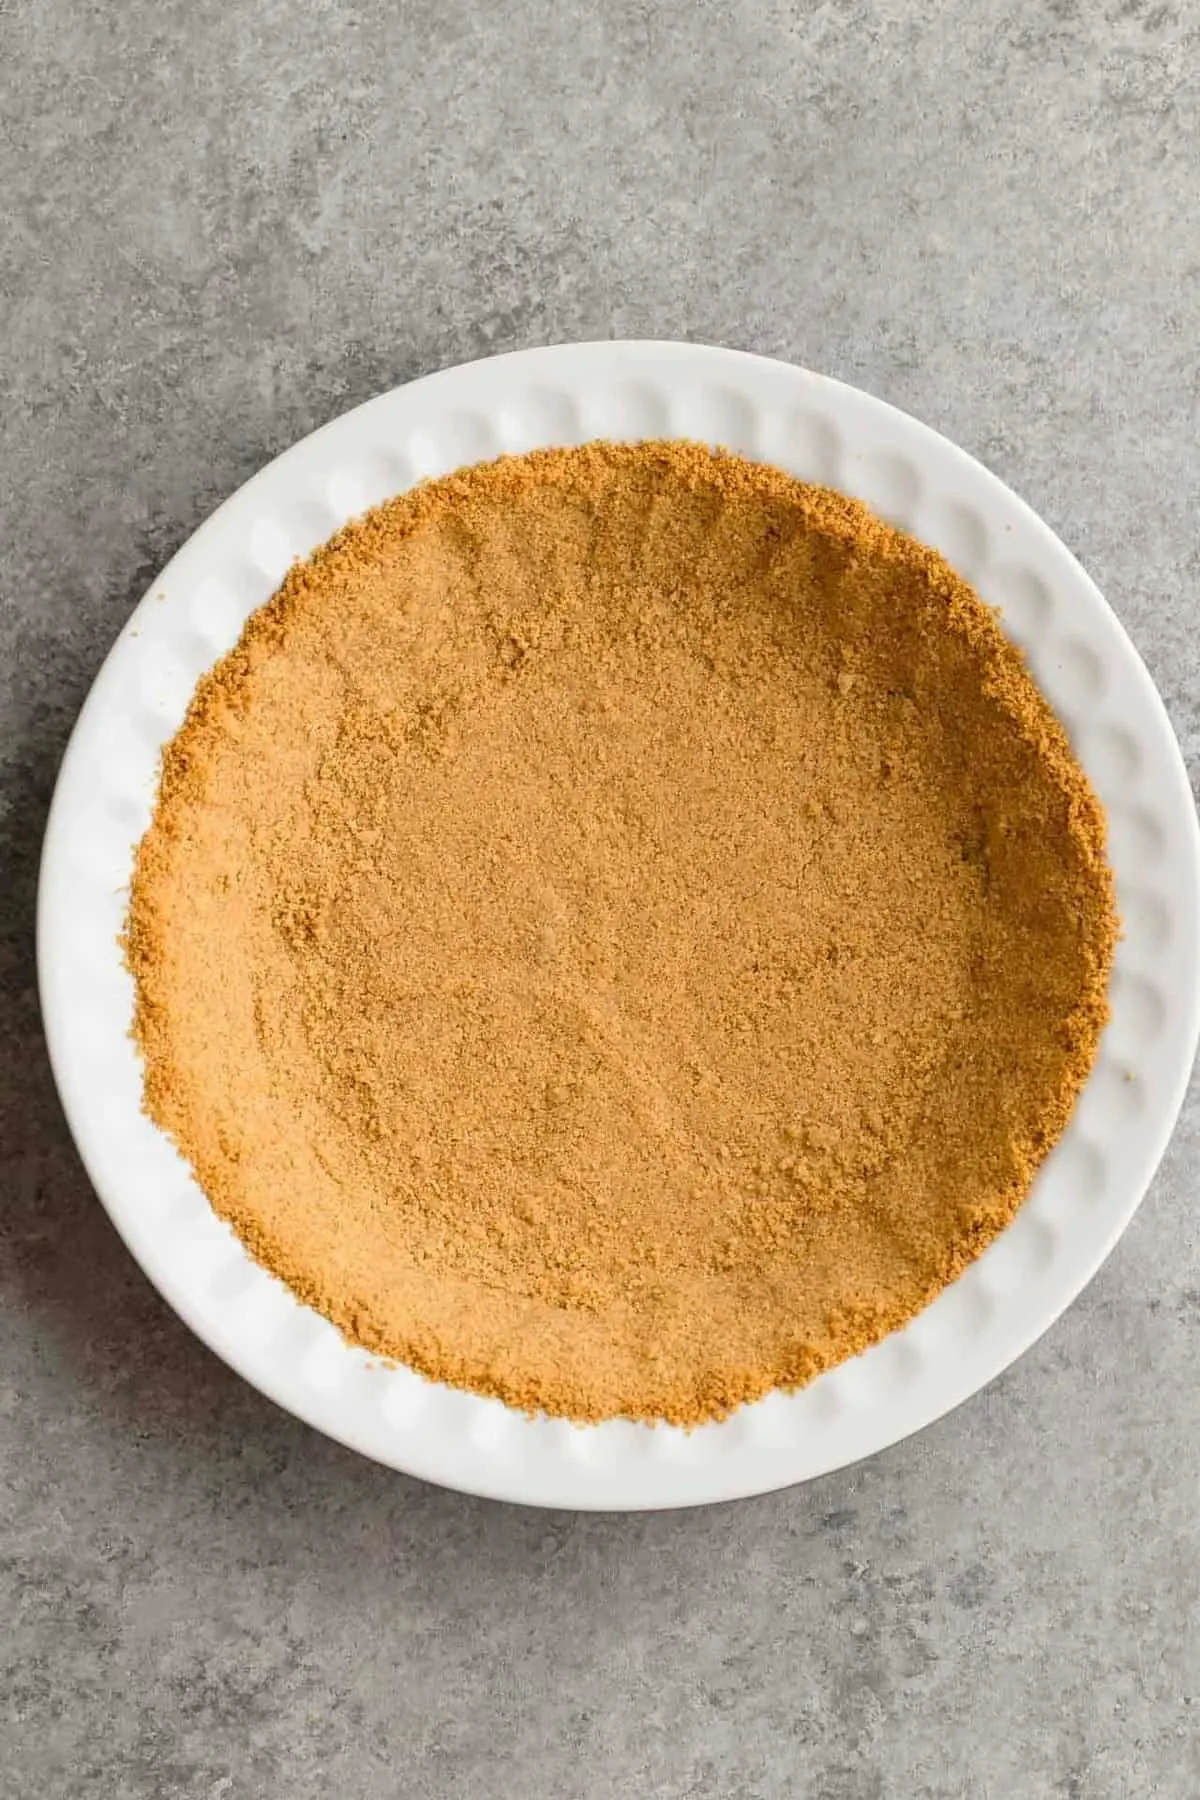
[620, 931]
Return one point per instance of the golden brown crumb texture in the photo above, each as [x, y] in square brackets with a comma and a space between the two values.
[620, 931]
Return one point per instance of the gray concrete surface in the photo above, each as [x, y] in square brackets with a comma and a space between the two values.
[220, 224]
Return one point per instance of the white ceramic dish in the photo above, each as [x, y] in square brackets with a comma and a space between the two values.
[820, 430]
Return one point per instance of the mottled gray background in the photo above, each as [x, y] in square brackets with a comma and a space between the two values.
[222, 222]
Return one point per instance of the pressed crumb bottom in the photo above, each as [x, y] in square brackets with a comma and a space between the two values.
[620, 932]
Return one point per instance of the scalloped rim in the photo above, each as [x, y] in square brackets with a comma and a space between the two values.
[821, 430]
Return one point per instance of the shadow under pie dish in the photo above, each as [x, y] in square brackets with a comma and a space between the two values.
[620, 932]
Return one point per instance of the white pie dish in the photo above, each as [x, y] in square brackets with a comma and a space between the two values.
[1081, 659]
